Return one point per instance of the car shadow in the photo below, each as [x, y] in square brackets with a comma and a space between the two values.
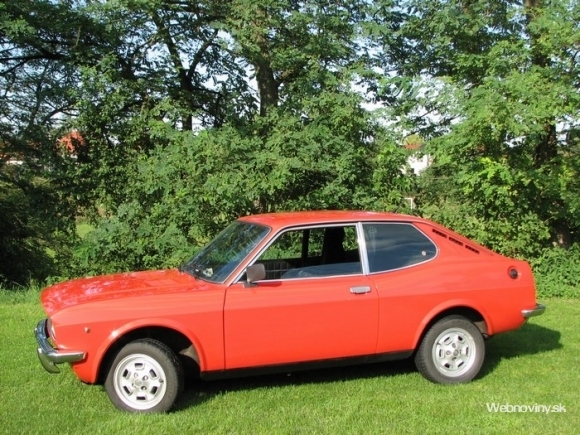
[198, 391]
[530, 339]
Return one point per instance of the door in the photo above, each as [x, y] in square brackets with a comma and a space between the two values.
[314, 304]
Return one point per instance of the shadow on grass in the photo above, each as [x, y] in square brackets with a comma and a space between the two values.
[528, 340]
[198, 391]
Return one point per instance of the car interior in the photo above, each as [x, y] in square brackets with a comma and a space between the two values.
[313, 252]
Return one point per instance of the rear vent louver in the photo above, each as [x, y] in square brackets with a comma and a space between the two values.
[457, 242]
[472, 249]
[439, 233]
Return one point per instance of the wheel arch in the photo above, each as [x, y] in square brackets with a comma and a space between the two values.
[464, 310]
[176, 340]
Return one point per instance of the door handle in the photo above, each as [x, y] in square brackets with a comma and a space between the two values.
[359, 290]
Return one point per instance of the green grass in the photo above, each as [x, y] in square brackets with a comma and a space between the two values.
[537, 364]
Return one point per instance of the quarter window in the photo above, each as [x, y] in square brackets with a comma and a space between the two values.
[393, 246]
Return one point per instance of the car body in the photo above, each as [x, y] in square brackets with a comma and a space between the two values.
[288, 291]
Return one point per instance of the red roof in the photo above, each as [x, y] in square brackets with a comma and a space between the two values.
[71, 142]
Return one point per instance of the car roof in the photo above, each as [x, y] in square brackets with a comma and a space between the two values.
[285, 219]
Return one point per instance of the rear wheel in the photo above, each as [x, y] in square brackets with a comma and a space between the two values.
[145, 376]
[451, 352]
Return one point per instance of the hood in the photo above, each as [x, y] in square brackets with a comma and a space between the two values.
[118, 286]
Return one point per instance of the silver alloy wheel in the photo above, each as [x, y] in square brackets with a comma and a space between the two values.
[454, 352]
[139, 381]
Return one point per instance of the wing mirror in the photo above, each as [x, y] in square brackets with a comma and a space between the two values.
[255, 272]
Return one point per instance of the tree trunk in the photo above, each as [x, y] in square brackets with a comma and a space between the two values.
[267, 83]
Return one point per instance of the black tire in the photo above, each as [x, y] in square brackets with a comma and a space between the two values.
[146, 376]
[451, 352]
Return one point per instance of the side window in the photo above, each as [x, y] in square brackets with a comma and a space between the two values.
[287, 246]
[393, 246]
[313, 252]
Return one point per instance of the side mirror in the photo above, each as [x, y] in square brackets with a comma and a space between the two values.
[255, 272]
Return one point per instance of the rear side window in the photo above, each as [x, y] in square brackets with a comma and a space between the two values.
[393, 246]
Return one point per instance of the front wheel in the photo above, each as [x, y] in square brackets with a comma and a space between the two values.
[451, 352]
[145, 376]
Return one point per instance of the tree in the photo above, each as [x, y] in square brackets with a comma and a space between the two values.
[35, 83]
[499, 113]
[183, 193]
[176, 141]
[32, 228]
[191, 114]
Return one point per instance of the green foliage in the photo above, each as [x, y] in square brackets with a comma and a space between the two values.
[191, 114]
[486, 201]
[35, 217]
[182, 193]
[492, 86]
[30, 229]
[557, 273]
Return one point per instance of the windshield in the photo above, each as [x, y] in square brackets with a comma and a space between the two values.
[224, 253]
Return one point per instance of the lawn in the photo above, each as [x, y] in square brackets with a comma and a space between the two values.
[535, 365]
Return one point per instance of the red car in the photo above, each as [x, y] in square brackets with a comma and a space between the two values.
[289, 291]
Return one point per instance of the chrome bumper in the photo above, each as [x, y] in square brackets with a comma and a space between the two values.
[536, 311]
[49, 356]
